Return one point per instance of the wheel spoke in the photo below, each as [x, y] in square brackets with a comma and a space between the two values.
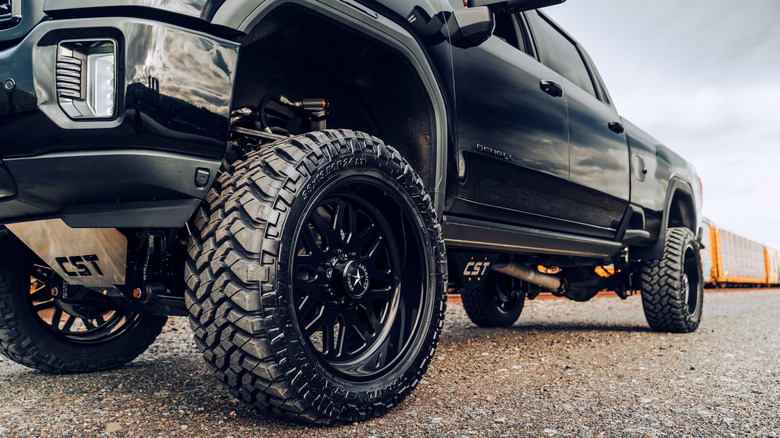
[383, 276]
[87, 323]
[379, 358]
[330, 235]
[362, 240]
[41, 294]
[310, 292]
[352, 229]
[330, 337]
[43, 306]
[314, 325]
[39, 276]
[56, 317]
[68, 323]
[341, 332]
[319, 320]
[385, 294]
[307, 306]
[354, 324]
[316, 252]
[374, 323]
[374, 249]
[366, 235]
[343, 211]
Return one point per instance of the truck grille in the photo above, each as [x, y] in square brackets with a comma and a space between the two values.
[69, 77]
[10, 13]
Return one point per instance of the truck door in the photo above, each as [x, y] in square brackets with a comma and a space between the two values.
[598, 154]
[512, 130]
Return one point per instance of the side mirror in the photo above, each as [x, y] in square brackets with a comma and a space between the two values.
[470, 27]
[513, 6]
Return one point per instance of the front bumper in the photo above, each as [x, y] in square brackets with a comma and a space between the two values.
[174, 88]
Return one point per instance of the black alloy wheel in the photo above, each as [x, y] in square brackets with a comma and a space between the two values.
[348, 277]
[68, 321]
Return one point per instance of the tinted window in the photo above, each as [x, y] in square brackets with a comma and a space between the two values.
[511, 31]
[505, 29]
[565, 58]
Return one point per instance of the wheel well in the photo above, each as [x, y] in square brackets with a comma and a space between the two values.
[369, 87]
[681, 211]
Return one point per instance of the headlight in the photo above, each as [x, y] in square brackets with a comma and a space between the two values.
[86, 78]
[101, 92]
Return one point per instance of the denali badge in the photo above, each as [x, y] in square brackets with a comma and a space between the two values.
[494, 152]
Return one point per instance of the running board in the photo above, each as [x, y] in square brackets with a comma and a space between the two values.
[474, 234]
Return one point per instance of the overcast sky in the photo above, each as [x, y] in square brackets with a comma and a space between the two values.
[703, 77]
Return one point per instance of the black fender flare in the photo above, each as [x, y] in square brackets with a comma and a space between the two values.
[244, 15]
[656, 250]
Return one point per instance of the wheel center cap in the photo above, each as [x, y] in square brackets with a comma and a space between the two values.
[354, 278]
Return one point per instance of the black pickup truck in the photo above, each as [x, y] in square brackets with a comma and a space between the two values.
[229, 160]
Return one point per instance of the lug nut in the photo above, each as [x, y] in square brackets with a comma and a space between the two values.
[9, 85]
[54, 292]
[137, 293]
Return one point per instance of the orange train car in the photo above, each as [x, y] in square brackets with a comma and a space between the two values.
[733, 260]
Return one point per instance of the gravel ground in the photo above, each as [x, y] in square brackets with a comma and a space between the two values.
[565, 369]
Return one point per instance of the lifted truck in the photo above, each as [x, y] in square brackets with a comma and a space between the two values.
[222, 159]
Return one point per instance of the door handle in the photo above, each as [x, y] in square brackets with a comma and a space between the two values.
[616, 127]
[551, 88]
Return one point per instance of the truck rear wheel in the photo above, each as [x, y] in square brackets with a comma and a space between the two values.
[498, 303]
[672, 290]
[316, 279]
[39, 330]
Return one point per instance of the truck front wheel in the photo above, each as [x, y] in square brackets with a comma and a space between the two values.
[672, 290]
[40, 330]
[316, 279]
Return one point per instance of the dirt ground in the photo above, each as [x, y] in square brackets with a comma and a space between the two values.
[564, 369]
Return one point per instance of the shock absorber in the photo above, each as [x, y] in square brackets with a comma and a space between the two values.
[315, 114]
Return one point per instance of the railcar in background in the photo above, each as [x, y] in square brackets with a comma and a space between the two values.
[731, 260]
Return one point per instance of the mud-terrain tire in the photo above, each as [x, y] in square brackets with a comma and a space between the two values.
[72, 347]
[274, 289]
[672, 287]
[497, 303]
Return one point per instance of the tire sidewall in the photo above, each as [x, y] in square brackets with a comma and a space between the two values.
[694, 318]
